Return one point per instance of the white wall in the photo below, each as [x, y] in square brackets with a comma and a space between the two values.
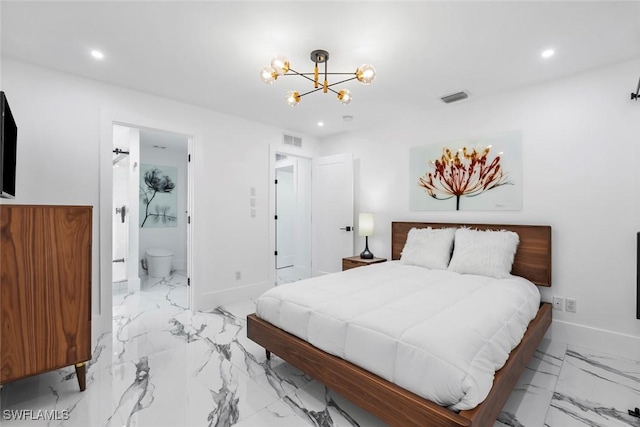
[65, 137]
[580, 169]
[303, 219]
[169, 238]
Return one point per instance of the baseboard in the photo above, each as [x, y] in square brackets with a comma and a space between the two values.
[602, 340]
[100, 324]
[214, 299]
[134, 284]
[179, 265]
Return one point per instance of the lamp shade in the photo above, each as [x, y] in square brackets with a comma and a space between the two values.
[365, 74]
[268, 75]
[293, 98]
[280, 64]
[344, 96]
[365, 224]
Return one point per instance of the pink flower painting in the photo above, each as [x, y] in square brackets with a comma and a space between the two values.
[463, 173]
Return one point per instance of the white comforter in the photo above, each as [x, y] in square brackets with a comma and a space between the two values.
[439, 334]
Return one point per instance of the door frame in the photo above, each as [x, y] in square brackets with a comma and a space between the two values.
[293, 164]
[102, 299]
[293, 152]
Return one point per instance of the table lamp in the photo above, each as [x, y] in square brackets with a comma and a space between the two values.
[365, 228]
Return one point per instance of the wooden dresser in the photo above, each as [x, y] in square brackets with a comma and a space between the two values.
[45, 290]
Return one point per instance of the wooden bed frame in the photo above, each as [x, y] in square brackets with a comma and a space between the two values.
[392, 403]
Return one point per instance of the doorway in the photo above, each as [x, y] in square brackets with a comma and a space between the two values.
[150, 193]
[292, 218]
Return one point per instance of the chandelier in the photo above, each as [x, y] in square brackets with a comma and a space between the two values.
[365, 74]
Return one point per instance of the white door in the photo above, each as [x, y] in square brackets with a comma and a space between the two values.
[332, 220]
[125, 182]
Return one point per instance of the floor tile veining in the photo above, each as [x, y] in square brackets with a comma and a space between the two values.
[165, 365]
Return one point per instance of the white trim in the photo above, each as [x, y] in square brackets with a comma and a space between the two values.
[234, 295]
[133, 284]
[104, 211]
[609, 342]
[190, 220]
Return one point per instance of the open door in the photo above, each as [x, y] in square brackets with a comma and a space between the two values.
[333, 233]
[292, 212]
[286, 214]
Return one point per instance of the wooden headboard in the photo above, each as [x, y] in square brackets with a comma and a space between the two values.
[532, 261]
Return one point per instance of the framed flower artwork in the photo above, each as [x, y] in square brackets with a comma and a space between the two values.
[158, 198]
[483, 173]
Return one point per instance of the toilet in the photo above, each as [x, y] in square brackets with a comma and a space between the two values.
[159, 262]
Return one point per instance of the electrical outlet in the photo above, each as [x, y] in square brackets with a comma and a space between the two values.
[558, 303]
[571, 305]
[238, 275]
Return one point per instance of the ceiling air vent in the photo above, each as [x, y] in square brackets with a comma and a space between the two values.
[454, 97]
[293, 141]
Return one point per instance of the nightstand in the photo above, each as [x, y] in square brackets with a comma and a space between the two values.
[356, 261]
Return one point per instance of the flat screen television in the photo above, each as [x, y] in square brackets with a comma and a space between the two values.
[8, 142]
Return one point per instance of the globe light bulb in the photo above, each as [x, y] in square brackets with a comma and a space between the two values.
[268, 74]
[365, 74]
[293, 98]
[344, 96]
[280, 64]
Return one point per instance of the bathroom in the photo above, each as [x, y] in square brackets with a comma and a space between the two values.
[150, 199]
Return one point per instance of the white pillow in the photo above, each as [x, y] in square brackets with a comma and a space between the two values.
[487, 253]
[428, 247]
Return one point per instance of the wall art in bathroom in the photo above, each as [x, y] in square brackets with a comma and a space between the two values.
[158, 196]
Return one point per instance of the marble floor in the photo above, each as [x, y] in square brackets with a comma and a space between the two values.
[164, 365]
[290, 274]
[285, 275]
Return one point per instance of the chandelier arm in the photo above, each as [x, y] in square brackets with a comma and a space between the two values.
[300, 74]
[325, 84]
[311, 91]
[315, 90]
[311, 74]
[342, 81]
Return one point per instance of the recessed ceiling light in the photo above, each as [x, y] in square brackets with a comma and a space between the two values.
[347, 118]
[320, 124]
[97, 54]
[548, 53]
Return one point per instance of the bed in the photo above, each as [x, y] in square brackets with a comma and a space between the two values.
[393, 403]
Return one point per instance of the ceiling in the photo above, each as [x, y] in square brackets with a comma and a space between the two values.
[209, 53]
[163, 140]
